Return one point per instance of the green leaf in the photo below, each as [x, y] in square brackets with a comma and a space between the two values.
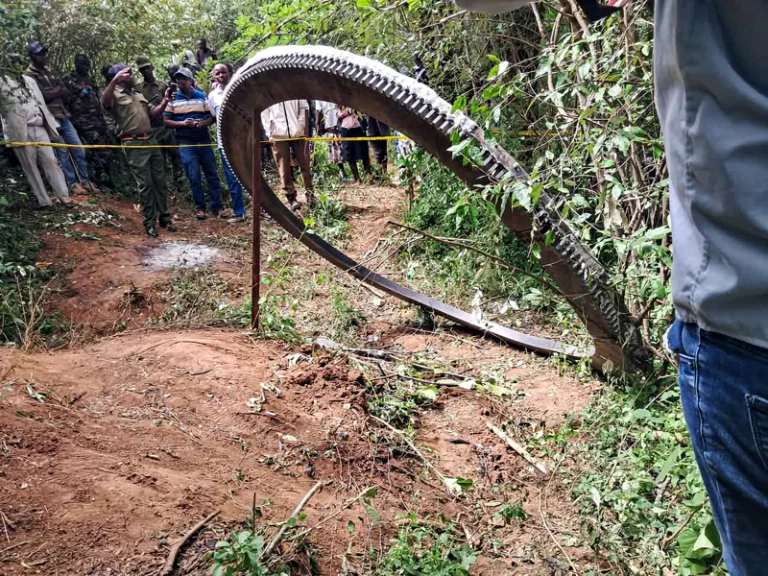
[457, 485]
[428, 393]
[668, 464]
[640, 414]
[686, 539]
[371, 511]
[459, 104]
[697, 500]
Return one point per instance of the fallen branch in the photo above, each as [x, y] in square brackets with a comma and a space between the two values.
[344, 506]
[277, 537]
[76, 398]
[680, 528]
[12, 546]
[517, 448]
[328, 344]
[169, 563]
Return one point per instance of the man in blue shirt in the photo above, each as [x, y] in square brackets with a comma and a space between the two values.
[190, 115]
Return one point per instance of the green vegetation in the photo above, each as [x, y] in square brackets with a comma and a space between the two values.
[424, 550]
[574, 105]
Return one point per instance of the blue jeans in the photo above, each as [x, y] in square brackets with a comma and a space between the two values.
[724, 390]
[193, 159]
[235, 190]
[69, 135]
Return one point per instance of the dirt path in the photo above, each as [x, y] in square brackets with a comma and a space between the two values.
[114, 447]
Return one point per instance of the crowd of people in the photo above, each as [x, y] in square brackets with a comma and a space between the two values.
[43, 107]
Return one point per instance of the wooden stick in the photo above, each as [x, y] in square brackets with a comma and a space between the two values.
[12, 546]
[443, 479]
[517, 448]
[276, 539]
[169, 563]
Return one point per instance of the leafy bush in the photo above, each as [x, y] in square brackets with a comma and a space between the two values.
[423, 551]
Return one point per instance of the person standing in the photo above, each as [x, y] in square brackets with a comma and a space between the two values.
[25, 118]
[55, 93]
[378, 129]
[354, 150]
[154, 91]
[183, 59]
[132, 115]
[327, 122]
[204, 54]
[190, 115]
[87, 117]
[287, 123]
[222, 74]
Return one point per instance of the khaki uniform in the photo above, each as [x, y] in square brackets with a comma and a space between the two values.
[134, 128]
[154, 93]
[25, 118]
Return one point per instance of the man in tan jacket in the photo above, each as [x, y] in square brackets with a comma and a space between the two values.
[25, 118]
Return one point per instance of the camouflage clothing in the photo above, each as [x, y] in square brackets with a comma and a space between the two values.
[88, 118]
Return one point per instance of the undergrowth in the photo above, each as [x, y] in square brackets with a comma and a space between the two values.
[640, 496]
[456, 267]
[424, 550]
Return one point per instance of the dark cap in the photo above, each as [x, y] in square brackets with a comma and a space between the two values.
[115, 69]
[143, 62]
[35, 48]
[186, 72]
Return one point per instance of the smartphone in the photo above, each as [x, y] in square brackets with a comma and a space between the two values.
[173, 86]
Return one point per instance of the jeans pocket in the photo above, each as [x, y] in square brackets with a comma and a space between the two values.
[758, 420]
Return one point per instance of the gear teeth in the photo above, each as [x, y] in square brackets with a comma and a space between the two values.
[495, 164]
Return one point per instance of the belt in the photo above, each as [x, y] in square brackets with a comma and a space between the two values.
[137, 137]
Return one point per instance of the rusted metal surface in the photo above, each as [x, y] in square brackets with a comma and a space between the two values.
[322, 73]
[256, 179]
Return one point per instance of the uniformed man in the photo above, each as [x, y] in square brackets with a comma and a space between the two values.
[56, 95]
[154, 90]
[88, 118]
[132, 114]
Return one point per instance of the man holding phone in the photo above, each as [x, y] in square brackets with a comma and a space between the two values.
[132, 114]
[154, 91]
[190, 115]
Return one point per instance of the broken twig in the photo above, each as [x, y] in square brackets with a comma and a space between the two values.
[169, 563]
[276, 539]
[517, 448]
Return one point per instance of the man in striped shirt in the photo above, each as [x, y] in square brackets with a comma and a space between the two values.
[190, 115]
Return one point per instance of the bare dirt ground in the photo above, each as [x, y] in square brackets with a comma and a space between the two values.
[114, 447]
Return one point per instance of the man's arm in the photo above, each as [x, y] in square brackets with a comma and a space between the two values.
[51, 93]
[108, 98]
[210, 119]
[156, 112]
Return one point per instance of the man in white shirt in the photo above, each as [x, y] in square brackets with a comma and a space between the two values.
[25, 118]
[328, 112]
[283, 123]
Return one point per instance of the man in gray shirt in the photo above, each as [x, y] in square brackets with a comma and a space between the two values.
[711, 74]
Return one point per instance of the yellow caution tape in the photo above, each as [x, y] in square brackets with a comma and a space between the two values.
[212, 144]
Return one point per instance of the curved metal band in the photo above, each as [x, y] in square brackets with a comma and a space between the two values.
[322, 73]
